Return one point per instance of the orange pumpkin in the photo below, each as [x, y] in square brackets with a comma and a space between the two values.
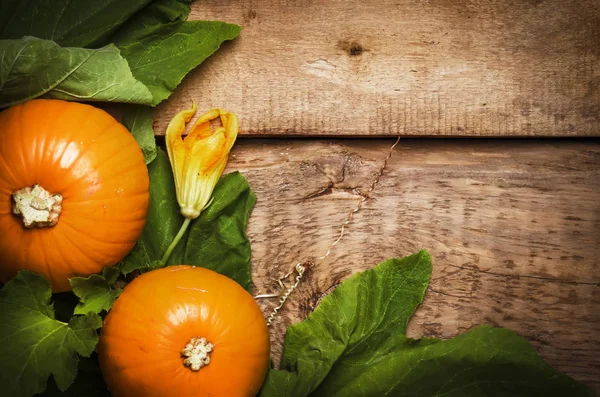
[184, 331]
[74, 190]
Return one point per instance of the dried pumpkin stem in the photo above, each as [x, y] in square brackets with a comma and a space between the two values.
[175, 241]
[196, 354]
[36, 206]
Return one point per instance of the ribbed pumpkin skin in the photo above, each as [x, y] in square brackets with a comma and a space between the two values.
[84, 154]
[155, 317]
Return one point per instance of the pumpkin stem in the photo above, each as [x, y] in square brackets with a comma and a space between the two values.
[37, 207]
[196, 353]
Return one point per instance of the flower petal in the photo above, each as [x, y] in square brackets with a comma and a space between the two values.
[202, 128]
[176, 147]
[199, 160]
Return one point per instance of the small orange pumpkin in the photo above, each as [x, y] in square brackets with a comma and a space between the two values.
[184, 331]
[74, 190]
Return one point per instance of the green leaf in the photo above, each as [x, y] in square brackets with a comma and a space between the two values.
[355, 344]
[157, 39]
[7, 10]
[96, 292]
[88, 383]
[216, 240]
[32, 67]
[69, 23]
[138, 120]
[33, 344]
[152, 18]
[159, 45]
[162, 222]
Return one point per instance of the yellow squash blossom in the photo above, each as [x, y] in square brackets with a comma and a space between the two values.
[198, 160]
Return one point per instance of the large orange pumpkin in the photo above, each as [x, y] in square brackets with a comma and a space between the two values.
[184, 331]
[74, 190]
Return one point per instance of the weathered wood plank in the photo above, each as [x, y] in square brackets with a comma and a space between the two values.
[388, 67]
[513, 228]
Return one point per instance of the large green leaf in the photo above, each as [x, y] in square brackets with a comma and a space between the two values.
[354, 344]
[152, 18]
[216, 240]
[88, 383]
[162, 222]
[159, 45]
[7, 9]
[33, 344]
[175, 51]
[158, 39]
[96, 292]
[67, 22]
[138, 120]
[33, 67]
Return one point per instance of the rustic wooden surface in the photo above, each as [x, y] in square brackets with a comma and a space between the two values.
[385, 67]
[513, 228]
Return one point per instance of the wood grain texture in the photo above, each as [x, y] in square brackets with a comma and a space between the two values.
[513, 228]
[389, 67]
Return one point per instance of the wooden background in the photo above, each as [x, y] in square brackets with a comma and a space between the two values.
[513, 226]
[513, 230]
[410, 67]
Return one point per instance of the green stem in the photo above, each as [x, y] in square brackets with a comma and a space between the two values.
[175, 241]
